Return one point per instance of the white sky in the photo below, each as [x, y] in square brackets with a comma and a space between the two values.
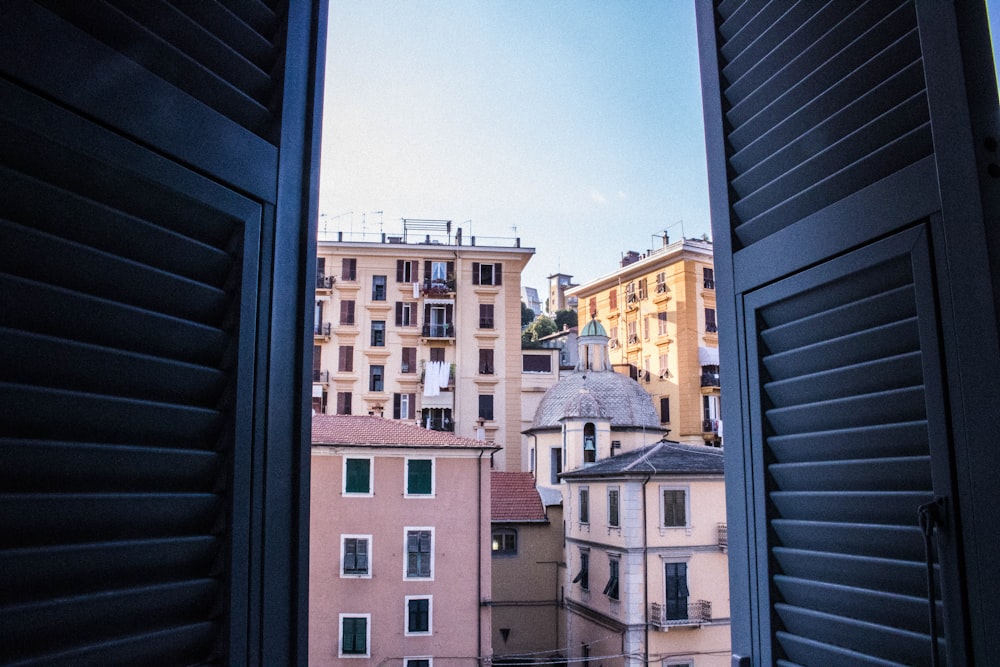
[577, 122]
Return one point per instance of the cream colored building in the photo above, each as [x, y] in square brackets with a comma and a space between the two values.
[425, 328]
[659, 311]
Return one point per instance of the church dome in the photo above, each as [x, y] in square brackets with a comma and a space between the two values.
[593, 328]
[602, 395]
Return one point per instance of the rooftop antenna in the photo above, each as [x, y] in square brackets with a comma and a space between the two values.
[380, 229]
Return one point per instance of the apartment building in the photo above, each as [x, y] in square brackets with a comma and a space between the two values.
[399, 544]
[659, 310]
[423, 327]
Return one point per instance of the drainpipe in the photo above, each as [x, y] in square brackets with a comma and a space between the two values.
[479, 562]
[645, 570]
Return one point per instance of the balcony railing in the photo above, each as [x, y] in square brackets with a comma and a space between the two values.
[325, 282]
[710, 426]
[723, 536]
[322, 329]
[709, 283]
[712, 328]
[321, 376]
[438, 330]
[709, 379]
[438, 287]
[698, 613]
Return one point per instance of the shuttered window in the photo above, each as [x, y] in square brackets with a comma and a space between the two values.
[419, 554]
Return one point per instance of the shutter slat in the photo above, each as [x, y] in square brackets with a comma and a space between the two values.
[65, 364]
[878, 640]
[57, 571]
[886, 507]
[876, 441]
[890, 575]
[809, 652]
[858, 410]
[854, 475]
[890, 373]
[860, 540]
[233, 30]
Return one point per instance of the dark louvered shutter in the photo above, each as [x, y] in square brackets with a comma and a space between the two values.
[848, 194]
[153, 193]
[475, 273]
[498, 274]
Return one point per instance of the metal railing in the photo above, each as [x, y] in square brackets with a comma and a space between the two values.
[723, 536]
[438, 331]
[709, 379]
[696, 613]
[710, 426]
[321, 376]
[325, 282]
[322, 329]
[438, 287]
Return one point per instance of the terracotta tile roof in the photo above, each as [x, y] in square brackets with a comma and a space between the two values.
[515, 497]
[375, 431]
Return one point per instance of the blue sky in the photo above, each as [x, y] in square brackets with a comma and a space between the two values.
[576, 122]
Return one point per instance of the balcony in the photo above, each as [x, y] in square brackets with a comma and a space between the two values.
[322, 330]
[325, 282]
[438, 287]
[321, 376]
[438, 330]
[709, 379]
[711, 328]
[710, 427]
[723, 537]
[698, 613]
[709, 283]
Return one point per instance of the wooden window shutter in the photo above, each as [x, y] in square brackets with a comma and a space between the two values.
[498, 274]
[427, 271]
[475, 273]
[131, 371]
[849, 173]
[395, 406]
[399, 270]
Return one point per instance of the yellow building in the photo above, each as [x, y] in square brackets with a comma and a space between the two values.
[659, 310]
[423, 328]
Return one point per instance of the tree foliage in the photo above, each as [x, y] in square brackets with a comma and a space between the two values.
[565, 318]
[542, 326]
[527, 314]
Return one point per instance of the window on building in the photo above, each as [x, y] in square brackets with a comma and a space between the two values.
[674, 508]
[661, 282]
[584, 505]
[354, 635]
[404, 406]
[709, 275]
[358, 475]
[555, 464]
[536, 363]
[583, 575]
[611, 590]
[355, 550]
[378, 333]
[406, 271]
[348, 268]
[345, 358]
[486, 362]
[376, 376]
[613, 518]
[409, 362]
[347, 312]
[438, 320]
[613, 298]
[418, 615]
[486, 274]
[593, 306]
[437, 273]
[419, 553]
[419, 477]
[319, 403]
[664, 409]
[343, 402]
[504, 542]
[318, 363]
[589, 443]
[321, 272]
[486, 316]
[643, 288]
[437, 354]
[486, 407]
[437, 419]
[676, 591]
[664, 366]
[318, 328]
[633, 336]
[406, 314]
[661, 322]
[426, 662]
[710, 325]
[378, 288]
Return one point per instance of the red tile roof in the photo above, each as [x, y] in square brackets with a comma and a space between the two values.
[515, 497]
[368, 430]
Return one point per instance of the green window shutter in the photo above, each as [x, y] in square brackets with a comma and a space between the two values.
[358, 476]
[419, 477]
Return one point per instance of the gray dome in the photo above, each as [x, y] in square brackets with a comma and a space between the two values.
[593, 328]
[607, 395]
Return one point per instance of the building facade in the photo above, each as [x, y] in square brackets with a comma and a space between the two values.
[659, 310]
[422, 328]
[399, 545]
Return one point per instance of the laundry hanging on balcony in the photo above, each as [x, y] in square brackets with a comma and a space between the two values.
[436, 376]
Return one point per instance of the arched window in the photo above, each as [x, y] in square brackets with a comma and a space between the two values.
[589, 443]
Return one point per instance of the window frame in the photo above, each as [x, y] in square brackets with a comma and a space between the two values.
[344, 400]
[687, 589]
[487, 365]
[418, 661]
[487, 316]
[613, 588]
[371, 477]
[344, 574]
[583, 575]
[484, 408]
[673, 488]
[505, 531]
[407, 632]
[378, 337]
[349, 269]
[380, 288]
[376, 379]
[407, 492]
[406, 553]
[340, 635]
[583, 509]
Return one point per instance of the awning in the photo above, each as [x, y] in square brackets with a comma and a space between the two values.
[708, 356]
[446, 399]
[317, 391]
[440, 302]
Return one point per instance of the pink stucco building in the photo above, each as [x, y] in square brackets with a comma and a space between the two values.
[399, 545]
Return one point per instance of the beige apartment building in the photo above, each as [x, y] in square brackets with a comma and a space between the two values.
[659, 310]
[399, 557]
[423, 327]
